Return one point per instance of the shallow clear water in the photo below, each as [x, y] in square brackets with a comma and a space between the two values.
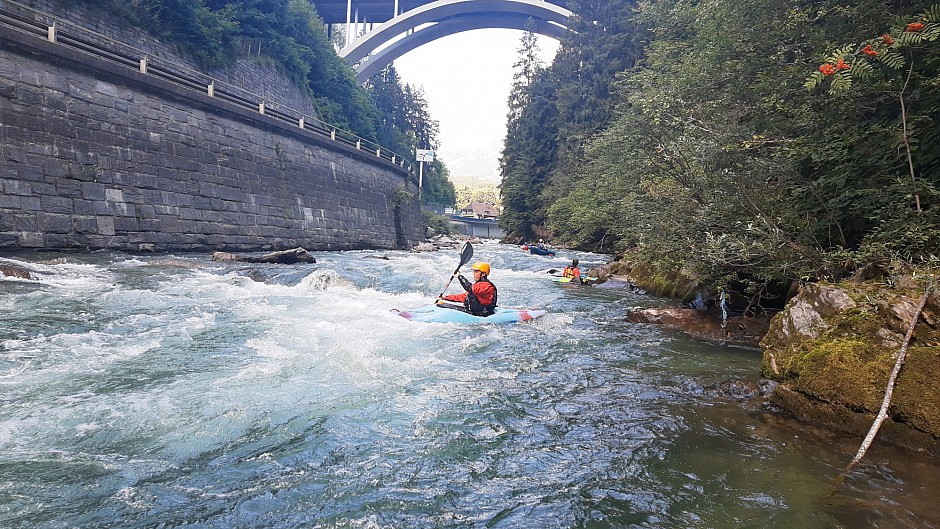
[172, 391]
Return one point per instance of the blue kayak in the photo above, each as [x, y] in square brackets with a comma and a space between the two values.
[539, 251]
[442, 314]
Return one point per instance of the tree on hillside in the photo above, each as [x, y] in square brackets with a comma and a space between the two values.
[525, 152]
[407, 123]
[486, 193]
[525, 70]
[719, 163]
[287, 31]
[564, 106]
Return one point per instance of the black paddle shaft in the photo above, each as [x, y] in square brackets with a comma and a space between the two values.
[466, 252]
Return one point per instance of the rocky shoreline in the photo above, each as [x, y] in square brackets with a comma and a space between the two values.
[828, 354]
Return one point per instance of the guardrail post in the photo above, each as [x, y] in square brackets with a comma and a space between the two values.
[261, 107]
[210, 89]
[300, 122]
[393, 158]
[51, 33]
[358, 144]
[143, 65]
[378, 152]
[333, 134]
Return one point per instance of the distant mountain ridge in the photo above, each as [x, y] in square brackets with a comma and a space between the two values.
[469, 167]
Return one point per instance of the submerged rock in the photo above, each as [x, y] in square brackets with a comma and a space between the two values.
[14, 270]
[737, 330]
[293, 256]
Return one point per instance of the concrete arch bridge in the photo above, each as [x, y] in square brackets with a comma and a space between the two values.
[404, 25]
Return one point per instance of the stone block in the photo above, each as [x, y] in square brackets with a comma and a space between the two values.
[60, 240]
[54, 223]
[93, 191]
[30, 239]
[84, 224]
[126, 224]
[9, 240]
[105, 225]
[15, 187]
[54, 204]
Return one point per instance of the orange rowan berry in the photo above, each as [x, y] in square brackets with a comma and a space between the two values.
[887, 40]
[915, 26]
[827, 69]
[868, 50]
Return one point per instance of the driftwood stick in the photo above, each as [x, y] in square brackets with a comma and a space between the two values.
[883, 412]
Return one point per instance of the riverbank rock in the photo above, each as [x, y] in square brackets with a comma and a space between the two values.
[14, 270]
[738, 330]
[831, 352]
[676, 285]
[293, 256]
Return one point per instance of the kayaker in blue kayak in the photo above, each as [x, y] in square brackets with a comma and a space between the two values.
[480, 296]
[573, 272]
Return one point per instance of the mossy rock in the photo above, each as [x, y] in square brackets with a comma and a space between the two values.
[838, 345]
[670, 284]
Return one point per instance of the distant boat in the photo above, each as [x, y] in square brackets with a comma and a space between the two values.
[539, 251]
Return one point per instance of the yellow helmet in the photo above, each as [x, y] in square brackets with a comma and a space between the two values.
[483, 267]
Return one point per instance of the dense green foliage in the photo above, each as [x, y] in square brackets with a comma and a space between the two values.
[289, 32]
[716, 160]
[554, 111]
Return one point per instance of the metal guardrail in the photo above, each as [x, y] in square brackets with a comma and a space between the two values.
[42, 25]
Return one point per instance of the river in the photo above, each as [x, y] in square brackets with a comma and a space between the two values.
[167, 391]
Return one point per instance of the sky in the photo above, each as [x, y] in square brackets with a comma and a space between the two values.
[466, 80]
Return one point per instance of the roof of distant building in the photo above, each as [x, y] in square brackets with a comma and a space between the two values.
[482, 209]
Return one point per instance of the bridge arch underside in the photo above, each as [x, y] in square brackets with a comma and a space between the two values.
[385, 43]
[374, 63]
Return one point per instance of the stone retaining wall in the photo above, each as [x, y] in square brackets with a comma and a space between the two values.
[96, 155]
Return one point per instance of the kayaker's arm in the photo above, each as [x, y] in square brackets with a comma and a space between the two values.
[465, 283]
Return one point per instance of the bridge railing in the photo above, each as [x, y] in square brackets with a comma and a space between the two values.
[42, 25]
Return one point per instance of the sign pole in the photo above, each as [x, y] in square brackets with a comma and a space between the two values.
[420, 177]
[422, 155]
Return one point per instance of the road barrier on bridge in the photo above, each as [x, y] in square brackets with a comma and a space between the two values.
[42, 25]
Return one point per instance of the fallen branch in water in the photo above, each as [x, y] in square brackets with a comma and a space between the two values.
[883, 412]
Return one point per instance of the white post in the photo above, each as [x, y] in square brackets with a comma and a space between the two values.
[358, 144]
[333, 134]
[211, 88]
[420, 177]
[51, 33]
[348, 21]
[261, 107]
[300, 122]
[143, 65]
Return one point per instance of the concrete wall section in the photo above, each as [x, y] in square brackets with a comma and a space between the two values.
[94, 155]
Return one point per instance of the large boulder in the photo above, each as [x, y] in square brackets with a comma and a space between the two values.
[831, 352]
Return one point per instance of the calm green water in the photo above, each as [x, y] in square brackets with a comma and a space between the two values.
[171, 391]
